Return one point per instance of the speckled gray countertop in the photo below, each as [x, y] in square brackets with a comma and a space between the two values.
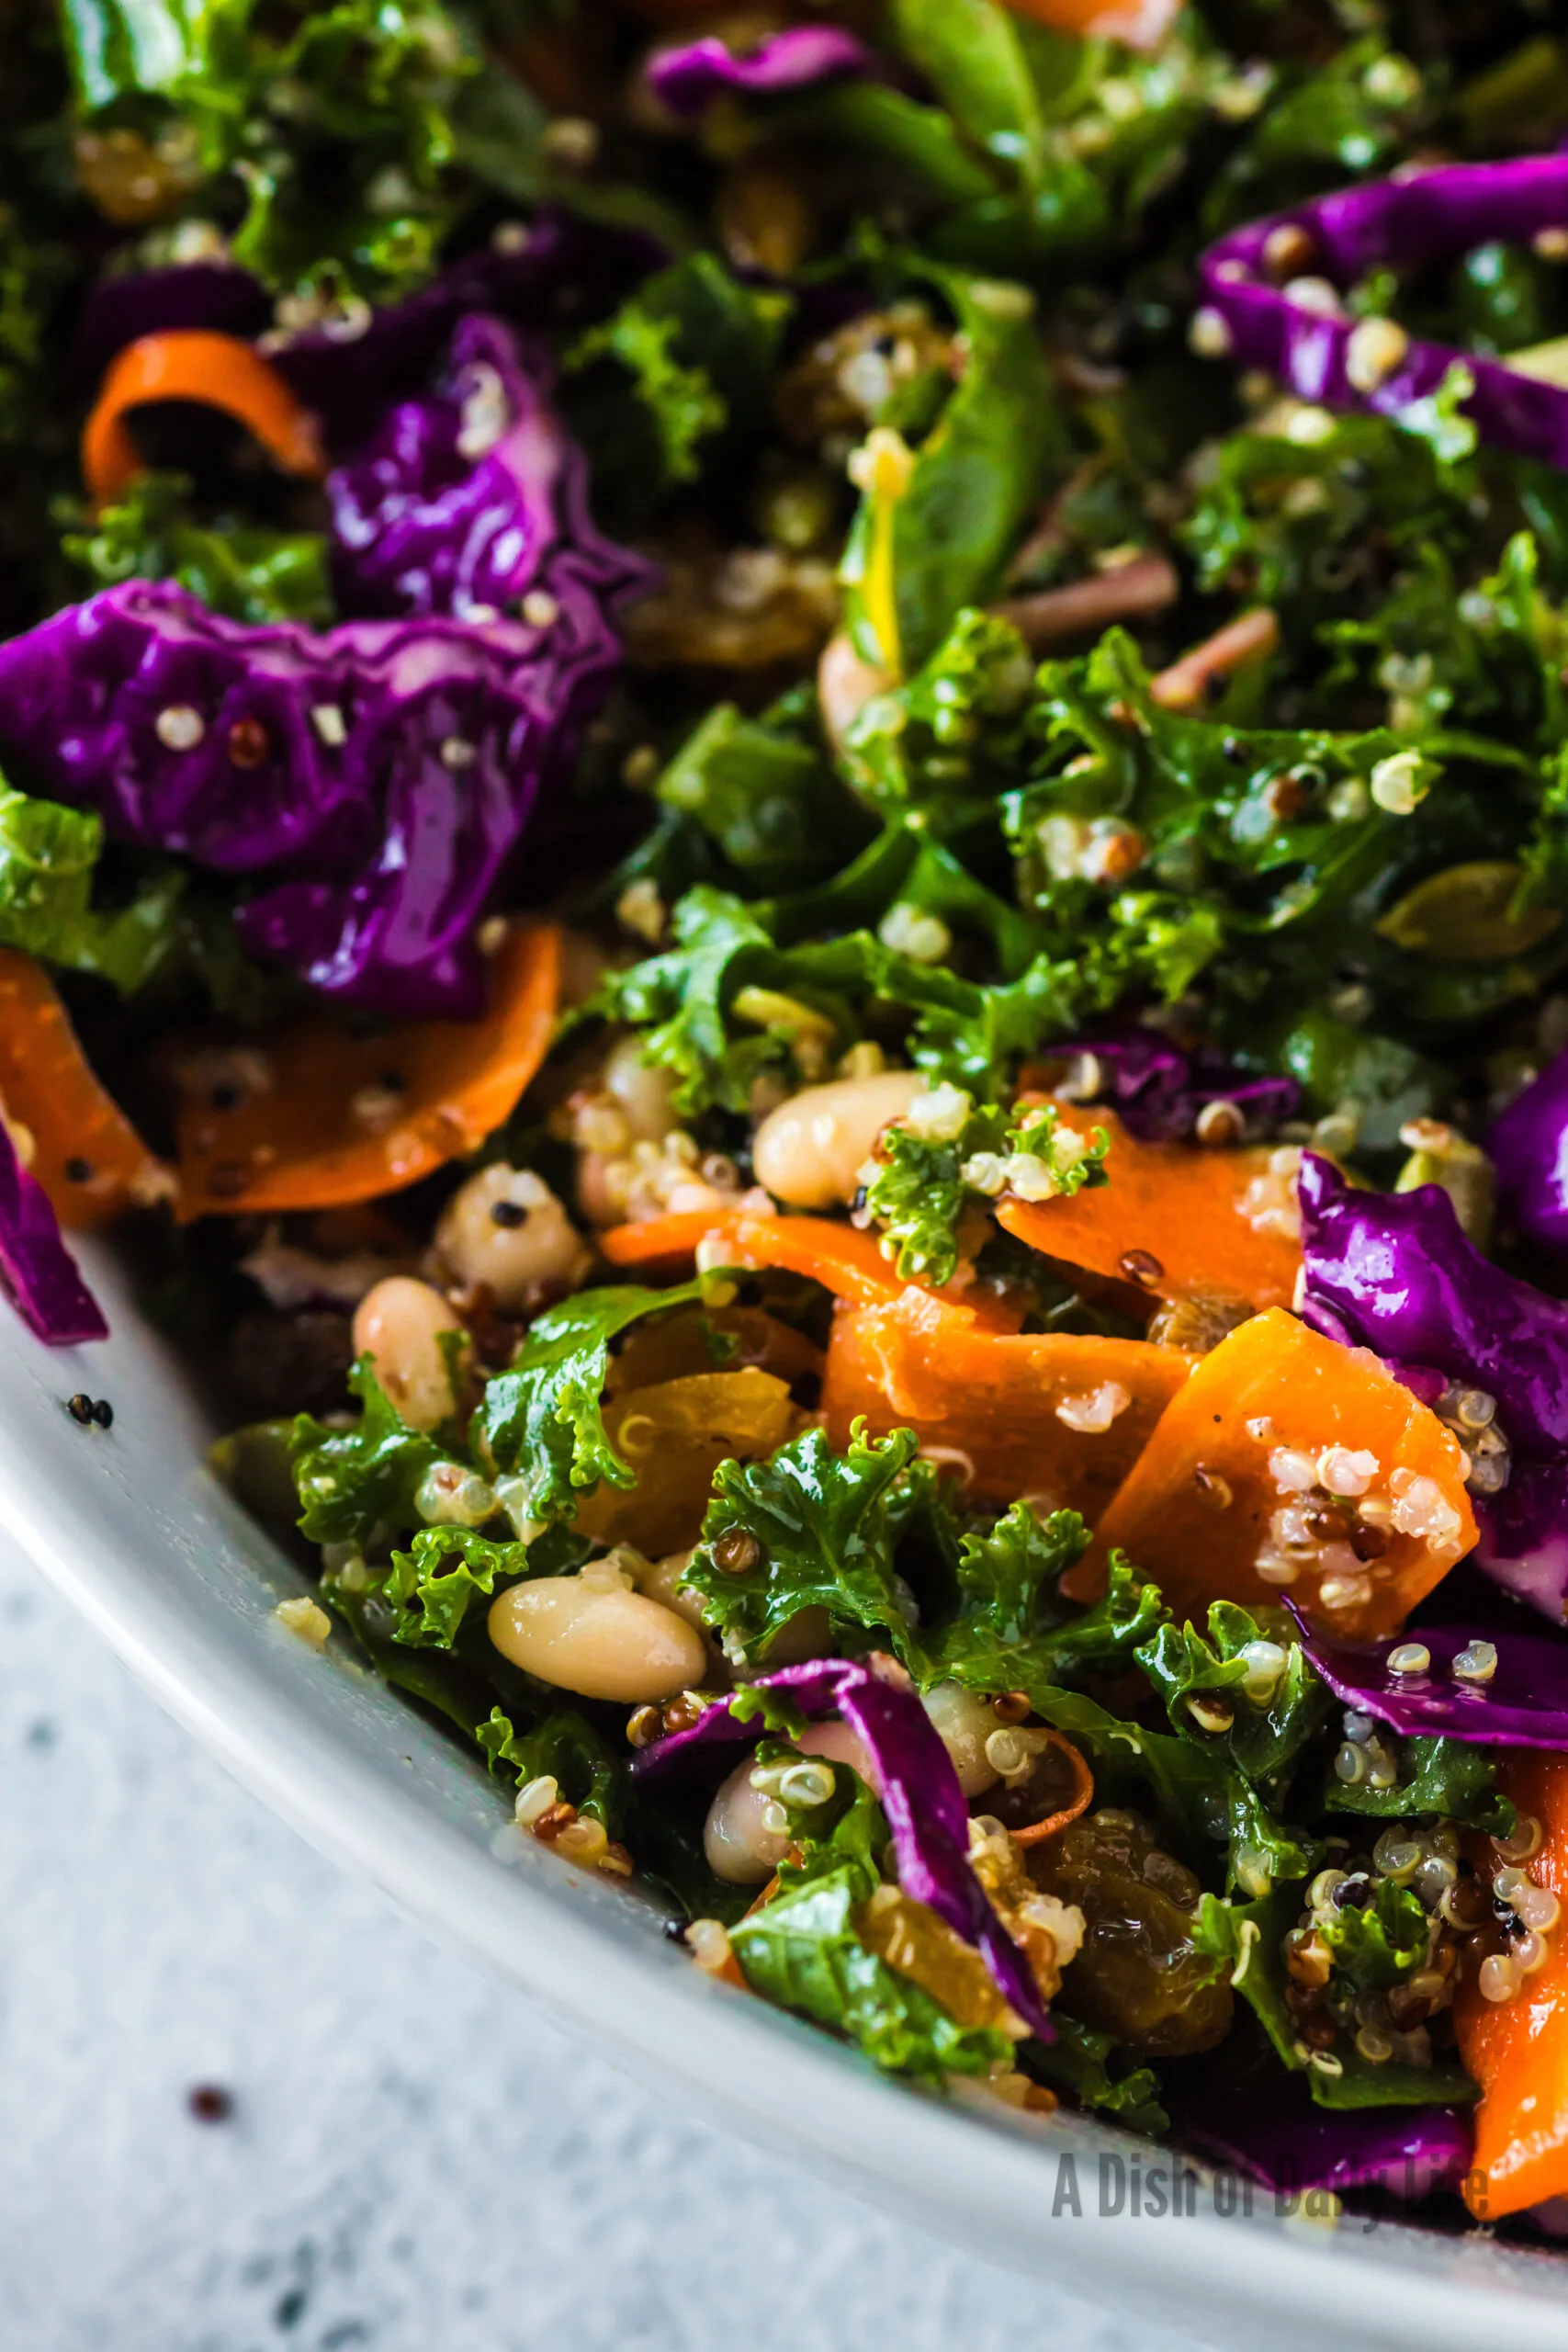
[414, 2162]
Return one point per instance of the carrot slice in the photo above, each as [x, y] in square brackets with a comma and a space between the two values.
[315, 1117]
[1054, 1415]
[1518, 2050]
[1176, 1219]
[1218, 1506]
[846, 1261]
[1083, 1792]
[193, 364]
[86, 1155]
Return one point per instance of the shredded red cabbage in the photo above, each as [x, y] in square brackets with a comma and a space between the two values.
[1407, 2151]
[1516, 1695]
[553, 269]
[1159, 1092]
[687, 80]
[1417, 217]
[1529, 1147]
[1394, 1271]
[918, 1789]
[35, 1265]
[376, 779]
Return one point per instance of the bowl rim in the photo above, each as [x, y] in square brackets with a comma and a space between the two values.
[548, 1928]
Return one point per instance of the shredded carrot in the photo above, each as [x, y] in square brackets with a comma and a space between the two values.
[193, 364]
[86, 1153]
[1247, 639]
[1082, 1796]
[1518, 2049]
[846, 1261]
[1141, 24]
[315, 1117]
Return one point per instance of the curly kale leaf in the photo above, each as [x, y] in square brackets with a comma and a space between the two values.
[825, 1527]
[1251, 1937]
[1202, 1803]
[543, 1419]
[1383, 1942]
[1101, 2073]
[430, 1585]
[354, 1482]
[698, 347]
[946, 740]
[936, 524]
[763, 794]
[1013, 1631]
[246, 573]
[948, 1155]
[734, 999]
[804, 1951]
[567, 1747]
[49, 860]
[1264, 1681]
[1446, 1780]
[330, 130]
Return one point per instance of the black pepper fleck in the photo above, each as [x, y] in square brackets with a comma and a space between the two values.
[510, 1214]
[210, 2103]
[79, 1172]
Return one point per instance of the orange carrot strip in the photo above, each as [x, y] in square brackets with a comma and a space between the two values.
[317, 1121]
[192, 364]
[1198, 1509]
[1017, 1414]
[845, 1261]
[86, 1155]
[1082, 1796]
[1141, 24]
[1174, 1219]
[1518, 2050]
[1247, 639]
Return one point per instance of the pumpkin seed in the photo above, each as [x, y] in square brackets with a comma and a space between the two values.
[1468, 914]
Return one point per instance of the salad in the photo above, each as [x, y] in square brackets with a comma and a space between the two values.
[784, 823]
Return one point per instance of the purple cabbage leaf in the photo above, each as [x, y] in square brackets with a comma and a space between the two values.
[1334, 359]
[1529, 1148]
[917, 1785]
[35, 1265]
[1522, 1701]
[686, 80]
[1290, 2148]
[1159, 1092]
[553, 270]
[375, 779]
[1395, 1273]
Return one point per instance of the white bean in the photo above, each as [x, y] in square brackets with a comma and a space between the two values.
[844, 686]
[506, 1228]
[964, 1721]
[401, 1324]
[741, 1848]
[661, 1580]
[810, 1152]
[641, 1092]
[594, 1635]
